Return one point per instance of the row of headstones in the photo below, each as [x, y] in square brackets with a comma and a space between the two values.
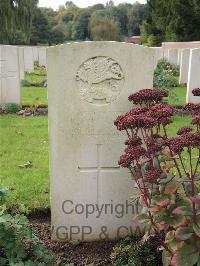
[188, 59]
[15, 61]
[189, 62]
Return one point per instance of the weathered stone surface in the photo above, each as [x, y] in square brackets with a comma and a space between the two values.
[88, 87]
[184, 66]
[157, 55]
[9, 75]
[193, 75]
[28, 59]
[42, 56]
[21, 62]
[35, 53]
[173, 56]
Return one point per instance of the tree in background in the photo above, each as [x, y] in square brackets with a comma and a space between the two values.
[81, 26]
[15, 17]
[172, 20]
[69, 23]
[40, 33]
[103, 28]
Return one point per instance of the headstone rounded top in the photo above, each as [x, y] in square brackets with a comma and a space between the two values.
[100, 80]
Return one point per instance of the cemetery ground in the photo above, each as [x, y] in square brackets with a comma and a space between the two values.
[24, 140]
[25, 170]
[24, 147]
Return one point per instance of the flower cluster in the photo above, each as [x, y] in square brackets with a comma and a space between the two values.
[184, 130]
[152, 175]
[192, 107]
[196, 92]
[133, 141]
[132, 154]
[132, 121]
[147, 96]
[166, 184]
[196, 120]
[147, 118]
[188, 140]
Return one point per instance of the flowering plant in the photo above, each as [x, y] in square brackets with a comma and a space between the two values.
[167, 186]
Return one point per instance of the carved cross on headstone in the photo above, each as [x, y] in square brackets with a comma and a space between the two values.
[98, 169]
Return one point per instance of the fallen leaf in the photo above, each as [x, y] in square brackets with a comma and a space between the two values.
[27, 164]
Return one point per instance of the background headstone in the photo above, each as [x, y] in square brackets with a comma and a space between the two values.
[21, 62]
[184, 66]
[88, 87]
[194, 75]
[157, 55]
[9, 75]
[28, 59]
[178, 45]
[173, 56]
[35, 53]
[179, 57]
[42, 56]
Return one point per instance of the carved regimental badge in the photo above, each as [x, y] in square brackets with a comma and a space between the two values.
[100, 80]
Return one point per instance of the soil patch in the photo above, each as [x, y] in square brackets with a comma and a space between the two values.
[92, 253]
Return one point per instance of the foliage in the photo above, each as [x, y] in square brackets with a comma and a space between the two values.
[164, 80]
[15, 16]
[104, 29]
[17, 237]
[40, 31]
[134, 252]
[172, 20]
[167, 186]
[169, 68]
[71, 23]
[165, 76]
[11, 108]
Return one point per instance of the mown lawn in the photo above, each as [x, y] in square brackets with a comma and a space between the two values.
[22, 140]
[34, 95]
[178, 95]
[31, 93]
[26, 139]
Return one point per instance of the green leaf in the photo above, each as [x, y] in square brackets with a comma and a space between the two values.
[196, 229]
[186, 210]
[198, 263]
[166, 258]
[184, 233]
[187, 256]
[171, 187]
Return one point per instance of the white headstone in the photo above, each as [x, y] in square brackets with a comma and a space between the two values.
[179, 57]
[21, 62]
[28, 59]
[157, 55]
[88, 86]
[173, 56]
[42, 56]
[9, 75]
[194, 75]
[184, 66]
[35, 53]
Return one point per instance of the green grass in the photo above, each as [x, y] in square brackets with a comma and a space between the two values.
[178, 122]
[180, 95]
[22, 140]
[33, 95]
[26, 139]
